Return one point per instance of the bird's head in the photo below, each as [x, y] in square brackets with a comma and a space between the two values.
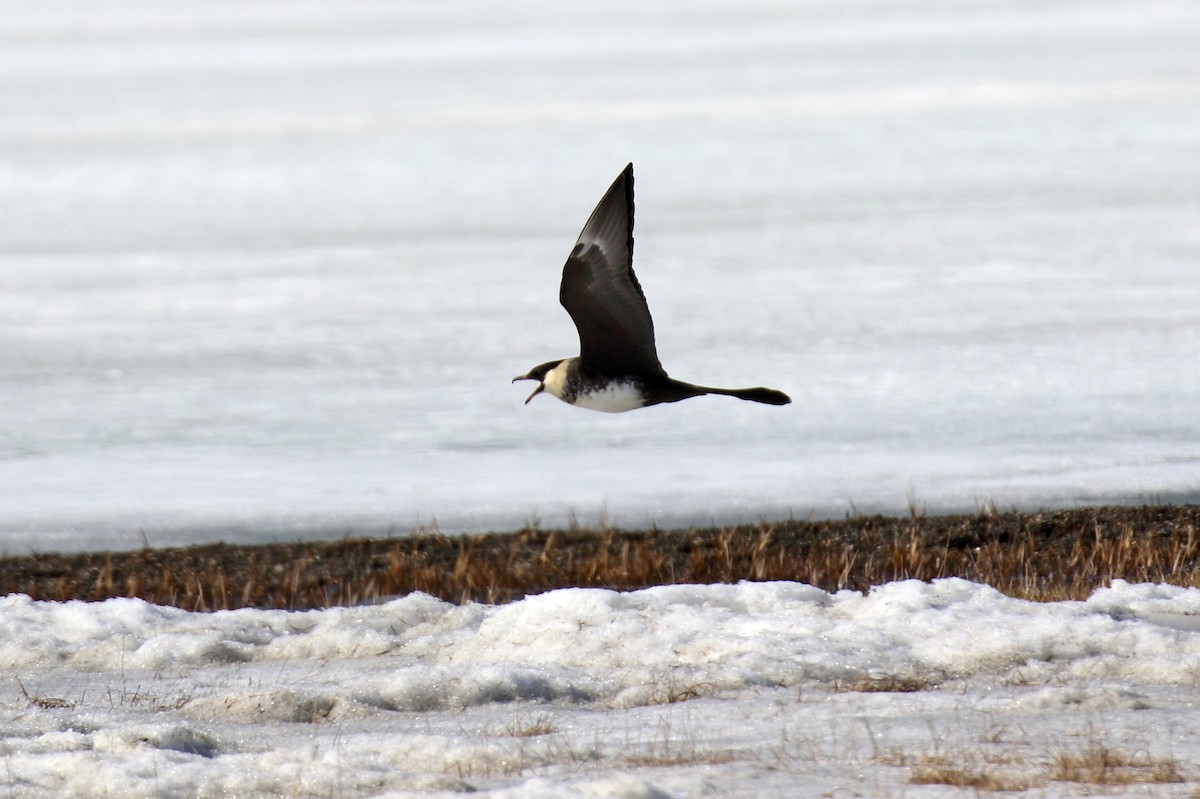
[538, 373]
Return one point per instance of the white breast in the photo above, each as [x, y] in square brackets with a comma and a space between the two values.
[617, 398]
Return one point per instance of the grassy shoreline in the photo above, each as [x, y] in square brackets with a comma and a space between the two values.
[1043, 556]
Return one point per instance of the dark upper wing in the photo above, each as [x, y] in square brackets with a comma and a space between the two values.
[601, 293]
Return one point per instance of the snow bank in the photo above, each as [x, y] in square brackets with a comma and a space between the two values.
[514, 699]
[592, 645]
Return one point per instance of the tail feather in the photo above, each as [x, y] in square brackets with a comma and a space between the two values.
[670, 390]
[767, 396]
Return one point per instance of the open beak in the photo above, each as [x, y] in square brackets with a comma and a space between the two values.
[541, 386]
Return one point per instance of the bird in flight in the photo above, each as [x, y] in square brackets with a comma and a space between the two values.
[617, 369]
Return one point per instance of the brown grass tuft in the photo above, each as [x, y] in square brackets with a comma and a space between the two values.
[521, 727]
[968, 772]
[1040, 556]
[1097, 764]
[1100, 764]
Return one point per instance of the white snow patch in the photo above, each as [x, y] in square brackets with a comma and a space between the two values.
[645, 693]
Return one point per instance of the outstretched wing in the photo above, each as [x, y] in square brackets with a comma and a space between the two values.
[601, 293]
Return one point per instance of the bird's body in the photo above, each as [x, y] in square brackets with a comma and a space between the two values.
[617, 368]
[608, 394]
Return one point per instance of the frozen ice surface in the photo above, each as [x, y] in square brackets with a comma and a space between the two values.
[750, 690]
[267, 269]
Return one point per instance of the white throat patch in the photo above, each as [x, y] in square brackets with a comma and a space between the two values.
[555, 380]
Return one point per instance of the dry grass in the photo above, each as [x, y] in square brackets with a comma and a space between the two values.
[887, 684]
[522, 727]
[987, 769]
[1039, 556]
[1100, 764]
[668, 747]
[967, 771]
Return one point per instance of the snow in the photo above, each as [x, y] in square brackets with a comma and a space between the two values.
[266, 270]
[728, 690]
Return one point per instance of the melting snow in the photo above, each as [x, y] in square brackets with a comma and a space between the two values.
[740, 690]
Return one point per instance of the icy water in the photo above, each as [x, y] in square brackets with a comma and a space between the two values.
[266, 270]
